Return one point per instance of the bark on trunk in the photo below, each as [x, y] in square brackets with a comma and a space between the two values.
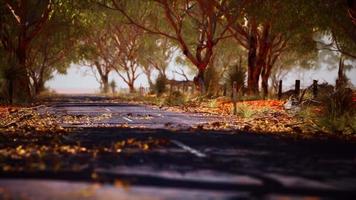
[252, 55]
[23, 82]
[131, 88]
[199, 81]
[265, 76]
[39, 87]
[105, 84]
[265, 86]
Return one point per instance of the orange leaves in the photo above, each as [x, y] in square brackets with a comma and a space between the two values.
[23, 120]
[144, 145]
[272, 104]
[3, 111]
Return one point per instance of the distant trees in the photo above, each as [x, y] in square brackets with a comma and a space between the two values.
[155, 55]
[194, 26]
[131, 37]
[100, 53]
[128, 42]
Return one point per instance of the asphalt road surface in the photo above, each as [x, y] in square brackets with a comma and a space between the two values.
[185, 163]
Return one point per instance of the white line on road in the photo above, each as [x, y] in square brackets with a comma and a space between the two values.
[107, 109]
[189, 149]
[125, 118]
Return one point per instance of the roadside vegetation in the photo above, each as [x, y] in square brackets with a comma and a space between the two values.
[221, 51]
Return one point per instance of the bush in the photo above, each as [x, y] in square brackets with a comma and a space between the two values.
[236, 73]
[245, 111]
[161, 85]
[176, 98]
[339, 115]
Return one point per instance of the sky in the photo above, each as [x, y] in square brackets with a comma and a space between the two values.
[80, 79]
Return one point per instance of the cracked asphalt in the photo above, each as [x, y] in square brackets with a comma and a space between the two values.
[187, 164]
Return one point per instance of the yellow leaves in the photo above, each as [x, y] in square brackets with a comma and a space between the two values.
[94, 176]
[121, 184]
[84, 119]
[20, 151]
[89, 191]
[22, 120]
[144, 145]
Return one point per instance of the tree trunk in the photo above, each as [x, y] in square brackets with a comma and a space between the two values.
[11, 91]
[266, 73]
[252, 55]
[265, 86]
[131, 87]
[149, 79]
[341, 79]
[199, 80]
[39, 87]
[105, 84]
[22, 81]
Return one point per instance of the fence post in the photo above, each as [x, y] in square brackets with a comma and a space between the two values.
[224, 91]
[280, 90]
[234, 96]
[142, 90]
[315, 88]
[297, 88]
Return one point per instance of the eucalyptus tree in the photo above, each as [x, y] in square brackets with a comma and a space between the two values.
[332, 19]
[20, 22]
[128, 41]
[100, 54]
[194, 25]
[155, 55]
[56, 46]
[267, 29]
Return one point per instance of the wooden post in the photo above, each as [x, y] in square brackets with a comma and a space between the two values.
[297, 88]
[280, 90]
[234, 96]
[142, 90]
[225, 90]
[315, 88]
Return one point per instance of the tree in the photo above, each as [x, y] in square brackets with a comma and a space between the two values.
[156, 54]
[194, 26]
[267, 29]
[21, 21]
[101, 54]
[128, 42]
[56, 46]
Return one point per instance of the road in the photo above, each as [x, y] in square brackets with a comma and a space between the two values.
[180, 162]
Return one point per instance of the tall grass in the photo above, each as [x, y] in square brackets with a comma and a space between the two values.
[339, 113]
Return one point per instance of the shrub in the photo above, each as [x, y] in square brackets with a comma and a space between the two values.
[236, 73]
[176, 98]
[339, 117]
[245, 111]
[161, 85]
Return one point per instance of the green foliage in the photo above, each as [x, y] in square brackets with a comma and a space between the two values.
[160, 85]
[236, 73]
[339, 115]
[345, 124]
[245, 111]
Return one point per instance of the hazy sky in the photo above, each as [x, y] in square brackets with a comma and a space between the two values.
[80, 79]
